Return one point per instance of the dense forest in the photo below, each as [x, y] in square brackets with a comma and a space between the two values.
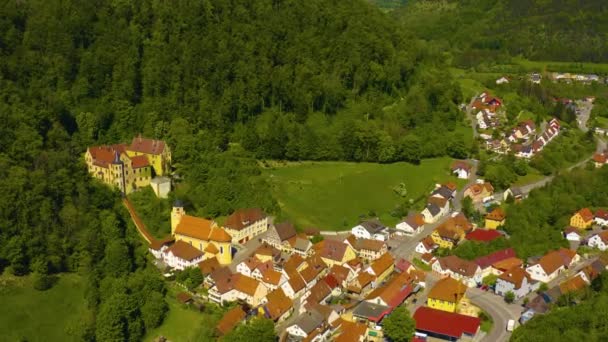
[223, 83]
[578, 318]
[493, 30]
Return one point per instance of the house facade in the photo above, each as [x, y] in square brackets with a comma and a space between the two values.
[411, 225]
[495, 218]
[245, 224]
[516, 280]
[477, 192]
[446, 294]
[582, 219]
[599, 241]
[371, 229]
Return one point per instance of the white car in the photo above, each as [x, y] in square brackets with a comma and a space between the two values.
[510, 325]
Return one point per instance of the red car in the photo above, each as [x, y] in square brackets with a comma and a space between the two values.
[484, 287]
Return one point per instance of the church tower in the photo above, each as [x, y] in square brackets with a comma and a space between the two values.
[176, 215]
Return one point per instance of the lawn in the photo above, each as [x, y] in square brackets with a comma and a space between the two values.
[183, 323]
[334, 195]
[57, 314]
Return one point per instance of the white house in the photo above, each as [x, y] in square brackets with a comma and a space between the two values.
[502, 80]
[599, 241]
[413, 224]
[306, 324]
[427, 245]
[182, 255]
[466, 271]
[461, 168]
[517, 281]
[436, 207]
[601, 217]
[552, 264]
[371, 229]
[572, 234]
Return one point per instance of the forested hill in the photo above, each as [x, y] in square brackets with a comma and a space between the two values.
[559, 30]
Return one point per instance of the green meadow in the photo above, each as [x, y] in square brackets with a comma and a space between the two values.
[58, 314]
[335, 195]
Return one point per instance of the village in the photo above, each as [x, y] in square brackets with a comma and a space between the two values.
[322, 286]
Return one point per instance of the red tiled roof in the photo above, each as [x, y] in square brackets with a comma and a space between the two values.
[244, 217]
[461, 164]
[148, 146]
[139, 162]
[599, 158]
[230, 320]
[483, 235]
[602, 214]
[445, 323]
[104, 155]
[586, 214]
[495, 257]
[496, 215]
[184, 251]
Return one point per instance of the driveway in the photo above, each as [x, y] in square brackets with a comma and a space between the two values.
[583, 113]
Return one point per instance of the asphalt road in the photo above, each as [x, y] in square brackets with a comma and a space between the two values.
[500, 312]
[584, 110]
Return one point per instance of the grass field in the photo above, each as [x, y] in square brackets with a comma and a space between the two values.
[185, 324]
[57, 314]
[333, 195]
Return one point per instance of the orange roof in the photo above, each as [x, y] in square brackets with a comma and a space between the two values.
[230, 320]
[245, 284]
[139, 162]
[242, 218]
[194, 227]
[211, 249]
[278, 304]
[219, 235]
[586, 214]
[364, 279]
[104, 155]
[208, 265]
[508, 263]
[573, 284]
[270, 276]
[148, 146]
[382, 264]
[295, 280]
[184, 251]
[293, 263]
[496, 215]
[515, 276]
[351, 332]
[599, 158]
[448, 289]
[553, 260]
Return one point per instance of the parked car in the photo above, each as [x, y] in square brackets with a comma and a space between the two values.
[510, 325]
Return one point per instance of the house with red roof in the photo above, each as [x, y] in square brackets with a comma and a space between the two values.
[486, 262]
[601, 217]
[582, 219]
[599, 241]
[445, 325]
[483, 235]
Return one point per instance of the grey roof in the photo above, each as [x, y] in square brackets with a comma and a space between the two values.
[443, 191]
[372, 226]
[178, 204]
[302, 244]
[309, 321]
[516, 191]
[286, 230]
[433, 208]
[598, 266]
[367, 309]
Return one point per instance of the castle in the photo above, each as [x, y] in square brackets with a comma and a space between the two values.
[129, 167]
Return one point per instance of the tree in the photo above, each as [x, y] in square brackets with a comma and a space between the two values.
[399, 326]
[467, 206]
[154, 310]
[509, 297]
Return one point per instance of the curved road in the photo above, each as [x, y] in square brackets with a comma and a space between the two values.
[500, 312]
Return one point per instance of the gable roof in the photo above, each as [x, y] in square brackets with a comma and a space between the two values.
[104, 155]
[278, 304]
[414, 220]
[507, 264]
[372, 226]
[351, 331]
[318, 292]
[184, 251]
[553, 260]
[515, 276]
[148, 146]
[242, 218]
[395, 291]
[443, 191]
[445, 323]
[483, 235]
[309, 321]
[219, 235]
[194, 227]
[461, 164]
[368, 244]
[496, 215]
[245, 284]
[285, 230]
[222, 277]
[231, 318]
[295, 280]
[586, 214]
[458, 265]
[208, 265]
[448, 289]
[340, 273]
[270, 276]
[573, 284]
[382, 264]
[139, 162]
[433, 209]
[488, 260]
[331, 249]
[601, 214]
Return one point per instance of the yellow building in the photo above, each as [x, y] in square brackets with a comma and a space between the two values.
[382, 267]
[156, 151]
[446, 294]
[205, 235]
[113, 166]
[334, 252]
[495, 218]
[583, 219]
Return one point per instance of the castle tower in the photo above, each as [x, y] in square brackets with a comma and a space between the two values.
[176, 215]
[119, 170]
